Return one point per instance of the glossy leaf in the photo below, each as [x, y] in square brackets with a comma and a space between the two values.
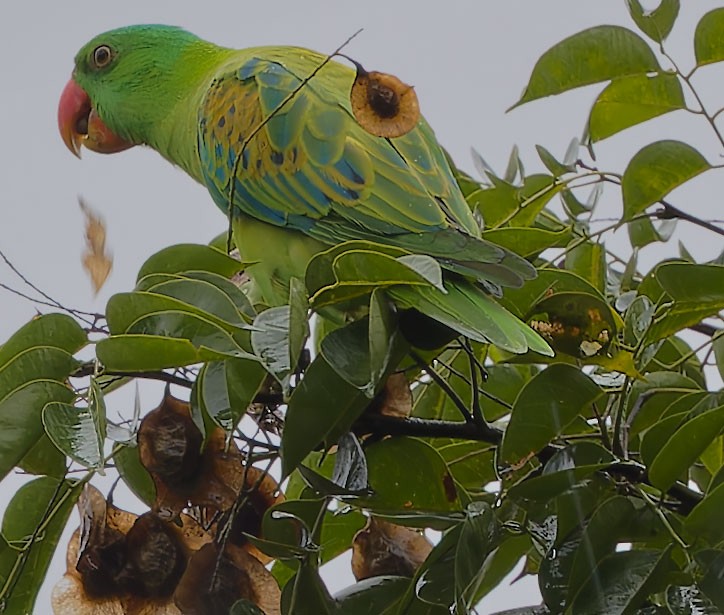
[229, 387]
[398, 486]
[708, 38]
[594, 55]
[74, 431]
[187, 257]
[712, 564]
[136, 477]
[142, 353]
[705, 520]
[684, 447]
[656, 23]
[697, 291]
[20, 418]
[528, 241]
[656, 170]
[270, 341]
[471, 312]
[322, 408]
[588, 260]
[546, 404]
[643, 231]
[373, 595]
[632, 100]
[23, 561]
[619, 584]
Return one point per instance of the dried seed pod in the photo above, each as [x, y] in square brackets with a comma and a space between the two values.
[263, 494]
[395, 398]
[121, 564]
[169, 443]
[382, 104]
[155, 557]
[383, 548]
[215, 580]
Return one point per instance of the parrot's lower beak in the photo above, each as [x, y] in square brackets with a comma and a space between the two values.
[80, 125]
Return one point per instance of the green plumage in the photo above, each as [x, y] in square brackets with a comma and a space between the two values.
[286, 151]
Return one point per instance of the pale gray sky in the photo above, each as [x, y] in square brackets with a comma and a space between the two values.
[468, 60]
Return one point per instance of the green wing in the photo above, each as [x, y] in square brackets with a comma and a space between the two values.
[301, 161]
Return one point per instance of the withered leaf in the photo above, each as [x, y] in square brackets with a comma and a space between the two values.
[382, 104]
[97, 260]
[383, 548]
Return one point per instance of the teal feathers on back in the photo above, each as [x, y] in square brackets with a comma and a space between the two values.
[307, 165]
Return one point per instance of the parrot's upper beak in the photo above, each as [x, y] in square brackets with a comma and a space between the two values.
[79, 124]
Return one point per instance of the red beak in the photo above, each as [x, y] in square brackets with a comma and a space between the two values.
[79, 124]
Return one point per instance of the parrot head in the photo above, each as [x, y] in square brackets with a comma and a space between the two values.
[122, 86]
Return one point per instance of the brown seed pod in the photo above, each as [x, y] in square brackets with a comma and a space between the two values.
[382, 104]
[155, 557]
[121, 564]
[169, 443]
[214, 580]
[383, 548]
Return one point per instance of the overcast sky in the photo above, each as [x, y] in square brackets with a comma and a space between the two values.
[468, 60]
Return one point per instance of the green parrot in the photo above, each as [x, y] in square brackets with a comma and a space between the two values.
[272, 134]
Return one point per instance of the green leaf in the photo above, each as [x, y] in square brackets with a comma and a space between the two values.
[44, 459]
[621, 582]
[143, 353]
[306, 594]
[606, 527]
[471, 312]
[373, 595]
[718, 347]
[50, 330]
[365, 350]
[712, 563]
[454, 570]
[705, 519]
[594, 55]
[656, 170]
[24, 562]
[552, 163]
[545, 406]
[244, 607]
[657, 23]
[188, 256]
[203, 295]
[136, 477]
[632, 100]
[697, 291]
[320, 272]
[643, 231]
[588, 260]
[563, 471]
[684, 447]
[229, 387]
[478, 538]
[528, 241]
[20, 423]
[322, 408]
[78, 432]
[402, 487]
[270, 340]
[126, 312]
[709, 38]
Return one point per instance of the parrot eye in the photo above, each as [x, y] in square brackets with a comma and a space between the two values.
[102, 56]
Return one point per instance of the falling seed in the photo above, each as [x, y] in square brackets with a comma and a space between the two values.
[382, 104]
[96, 260]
